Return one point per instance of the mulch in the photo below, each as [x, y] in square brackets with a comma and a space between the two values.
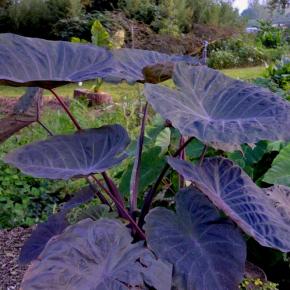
[11, 272]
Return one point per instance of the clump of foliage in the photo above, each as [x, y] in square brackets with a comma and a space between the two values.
[178, 16]
[280, 73]
[36, 18]
[257, 284]
[277, 78]
[99, 36]
[194, 218]
[236, 52]
[269, 36]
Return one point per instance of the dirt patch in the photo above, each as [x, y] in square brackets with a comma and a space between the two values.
[11, 272]
[140, 35]
[7, 104]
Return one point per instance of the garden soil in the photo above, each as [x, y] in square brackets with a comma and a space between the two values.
[11, 272]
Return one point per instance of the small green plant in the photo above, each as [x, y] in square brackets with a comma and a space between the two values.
[257, 284]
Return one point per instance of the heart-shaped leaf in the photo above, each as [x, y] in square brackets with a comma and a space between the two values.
[137, 65]
[218, 109]
[97, 255]
[80, 154]
[208, 252]
[26, 112]
[279, 173]
[232, 191]
[42, 63]
[32, 248]
[55, 225]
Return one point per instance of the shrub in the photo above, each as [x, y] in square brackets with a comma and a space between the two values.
[269, 36]
[237, 52]
[220, 59]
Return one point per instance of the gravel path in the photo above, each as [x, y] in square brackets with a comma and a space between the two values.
[11, 272]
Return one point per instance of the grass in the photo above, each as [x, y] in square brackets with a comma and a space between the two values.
[130, 91]
[117, 91]
[247, 73]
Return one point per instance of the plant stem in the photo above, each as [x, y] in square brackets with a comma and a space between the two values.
[98, 193]
[152, 192]
[113, 189]
[117, 200]
[45, 128]
[75, 122]
[126, 215]
[201, 158]
[135, 177]
[182, 157]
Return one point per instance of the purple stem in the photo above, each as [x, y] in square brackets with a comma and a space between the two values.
[201, 158]
[121, 207]
[75, 122]
[182, 157]
[98, 193]
[149, 197]
[135, 176]
[113, 189]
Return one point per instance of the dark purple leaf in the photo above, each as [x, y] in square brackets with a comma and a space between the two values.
[232, 191]
[134, 64]
[42, 63]
[32, 248]
[55, 225]
[207, 252]
[82, 196]
[25, 112]
[65, 156]
[97, 255]
[218, 109]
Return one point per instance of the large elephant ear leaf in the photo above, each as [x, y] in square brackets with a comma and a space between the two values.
[207, 252]
[97, 255]
[32, 248]
[217, 109]
[55, 225]
[26, 112]
[234, 192]
[137, 65]
[66, 156]
[42, 63]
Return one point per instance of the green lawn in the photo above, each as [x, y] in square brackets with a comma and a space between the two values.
[124, 90]
[247, 73]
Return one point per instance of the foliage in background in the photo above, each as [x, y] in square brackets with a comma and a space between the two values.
[269, 36]
[235, 52]
[36, 17]
[175, 16]
[243, 51]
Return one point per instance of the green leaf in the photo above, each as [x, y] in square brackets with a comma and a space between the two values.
[163, 140]
[279, 173]
[100, 35]
[194, 149]
[151, 165]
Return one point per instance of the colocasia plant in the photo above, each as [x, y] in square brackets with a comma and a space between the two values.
[199, 241]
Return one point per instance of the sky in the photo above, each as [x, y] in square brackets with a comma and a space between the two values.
[241, 4]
